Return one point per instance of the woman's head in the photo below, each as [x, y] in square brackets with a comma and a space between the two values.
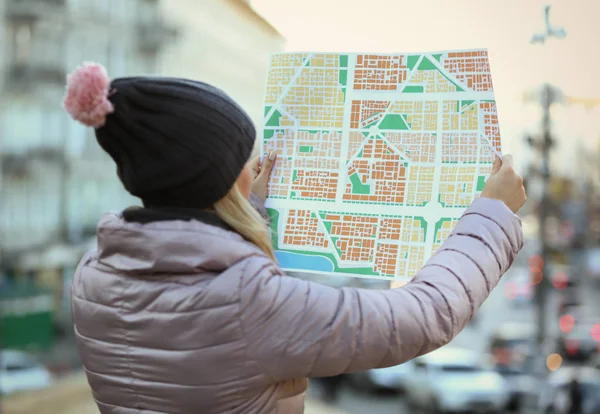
[176, 142]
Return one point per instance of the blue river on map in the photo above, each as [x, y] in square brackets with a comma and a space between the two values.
[289, 260]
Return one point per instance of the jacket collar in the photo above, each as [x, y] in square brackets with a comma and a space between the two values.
[145, 215]
[169, 245]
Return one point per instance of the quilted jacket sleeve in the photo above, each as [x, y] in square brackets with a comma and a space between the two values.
[296, 328]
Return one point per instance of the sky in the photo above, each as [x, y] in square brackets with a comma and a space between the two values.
[504, 27]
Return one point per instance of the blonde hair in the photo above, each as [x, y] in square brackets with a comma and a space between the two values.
[235, 210]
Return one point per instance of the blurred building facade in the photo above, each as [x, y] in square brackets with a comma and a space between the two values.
[55, 181]
[224, 43]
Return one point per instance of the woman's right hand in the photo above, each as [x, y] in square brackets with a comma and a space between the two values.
[505, 184]
[261, 174]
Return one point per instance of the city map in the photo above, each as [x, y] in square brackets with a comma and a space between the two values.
[378, 156]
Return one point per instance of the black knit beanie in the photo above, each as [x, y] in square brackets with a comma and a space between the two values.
[176, 142]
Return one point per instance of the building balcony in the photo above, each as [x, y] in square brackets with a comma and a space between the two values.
[154, 34]
[24, 76]
[20, 165]
[31, 10]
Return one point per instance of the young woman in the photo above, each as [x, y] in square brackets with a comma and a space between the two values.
[183, 309]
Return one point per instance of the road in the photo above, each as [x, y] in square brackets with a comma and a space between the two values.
[72, 395]
[352, 402]
[498, 309]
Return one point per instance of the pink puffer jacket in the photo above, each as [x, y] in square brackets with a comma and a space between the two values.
[184, 317]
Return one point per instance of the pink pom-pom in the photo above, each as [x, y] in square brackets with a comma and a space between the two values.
[86, 99]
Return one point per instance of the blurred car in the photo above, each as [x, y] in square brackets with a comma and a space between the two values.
[331, 387]
[522, 385]
[578, 344]
[568, 303]
[382, 379]
[511, 349]
[20, 372]
[593, 263]
[512, 343]
[371, 283]
[455, 380]
[518, 286]
[555, 399]
[333, 280]
[595, 362]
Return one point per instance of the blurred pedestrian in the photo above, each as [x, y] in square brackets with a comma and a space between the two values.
[332, 386]
[575, 397]
[183, 309]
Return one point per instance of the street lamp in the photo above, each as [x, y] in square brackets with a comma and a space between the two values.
[551, 31]
[549, 95]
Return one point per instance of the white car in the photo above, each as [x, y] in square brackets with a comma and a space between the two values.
[389, 379]
[331, 279]
[20, 372]
[455, 380]
[517, 285]
[593, 263]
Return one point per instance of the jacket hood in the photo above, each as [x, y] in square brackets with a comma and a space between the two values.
[169, 246]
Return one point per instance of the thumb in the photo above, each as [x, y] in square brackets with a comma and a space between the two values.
[267, 165]
[497, 165]
[507, 162]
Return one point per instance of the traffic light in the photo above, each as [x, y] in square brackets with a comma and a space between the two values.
[536, 267]
[566, 323]
[560, 280]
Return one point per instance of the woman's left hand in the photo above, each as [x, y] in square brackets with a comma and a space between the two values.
[261, 174]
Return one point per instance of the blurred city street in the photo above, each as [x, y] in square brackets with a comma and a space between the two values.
[532, 348]
[497, 311]
[73, 396]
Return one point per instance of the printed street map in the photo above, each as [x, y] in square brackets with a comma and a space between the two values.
[379, 154]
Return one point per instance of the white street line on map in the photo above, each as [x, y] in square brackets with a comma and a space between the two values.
[360, 148]
[492, 147]
[287, 88]
[420, 97]
[357, 208]
[343, 171]
[445, 72]
[409, 75]
[481, 122]
[435, 188]
[396, 148]
[327, 235]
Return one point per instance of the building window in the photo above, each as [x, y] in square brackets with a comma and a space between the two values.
[85, 45]
[148, 11]
[102, 7]
[22, 127]
[48, 45]
[22, 43]
[117, 60]
[117, 10]
[78, 6]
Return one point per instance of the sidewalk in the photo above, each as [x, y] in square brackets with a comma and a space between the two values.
[72, 395]
[317, 407]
